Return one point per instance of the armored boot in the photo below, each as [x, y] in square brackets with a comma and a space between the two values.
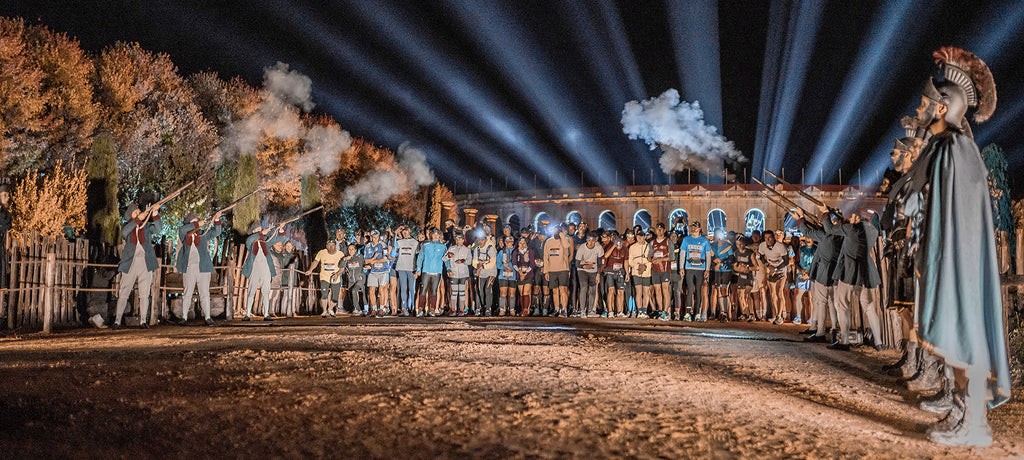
[942, 402]
[929, 379]
[955, 414]
[910, 366]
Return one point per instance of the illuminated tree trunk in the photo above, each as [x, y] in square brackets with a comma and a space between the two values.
[102, 192]
[247, 211]
[314, 224]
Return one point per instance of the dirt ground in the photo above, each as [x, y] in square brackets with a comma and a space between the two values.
[457, 388]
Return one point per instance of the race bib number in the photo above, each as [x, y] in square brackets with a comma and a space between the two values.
[675, 266]
[616, 267]
[405, 251]
[330, 267]
[659, 254]
[538, 263]
[353, 265]
[507, 273]
[694, 257]
[378, 265]
[553, 253]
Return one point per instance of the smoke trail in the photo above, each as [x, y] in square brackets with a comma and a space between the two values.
[678, 128]
[408, 173]
[286, 92]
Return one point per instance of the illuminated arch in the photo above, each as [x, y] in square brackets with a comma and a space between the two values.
[574, 217]
[606, 221]
[542, 216]
[679, 212]
[716, 221]
[754, 220]
[643, 219]
[513, 221]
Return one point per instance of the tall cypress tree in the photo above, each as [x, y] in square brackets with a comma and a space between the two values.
[314, 224]
[247, 211]
[101, 203]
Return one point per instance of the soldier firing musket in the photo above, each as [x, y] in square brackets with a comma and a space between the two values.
[804, 194]
[258, 267]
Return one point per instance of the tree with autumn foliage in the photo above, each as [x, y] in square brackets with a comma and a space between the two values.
[49, 203]
[46, 98]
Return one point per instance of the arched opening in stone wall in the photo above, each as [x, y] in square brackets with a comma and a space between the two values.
[674, 222]
[606, 221]
[754, 221]
[716, 221]
[574, 217]
[513, 221]
[643, 219]
[541, 217]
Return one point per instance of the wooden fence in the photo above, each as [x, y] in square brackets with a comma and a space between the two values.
[59, 283]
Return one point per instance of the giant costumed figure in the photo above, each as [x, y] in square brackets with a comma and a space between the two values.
[958, 310]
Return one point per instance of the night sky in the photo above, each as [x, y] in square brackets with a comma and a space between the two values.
[522, 91]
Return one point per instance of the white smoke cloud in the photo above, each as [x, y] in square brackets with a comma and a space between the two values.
[678, 128]
[286, 92]
[409, 172]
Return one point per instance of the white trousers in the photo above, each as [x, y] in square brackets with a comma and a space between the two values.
[823, 299]
[193, 279]
[144, 278]
[845, 295]
[259, 279]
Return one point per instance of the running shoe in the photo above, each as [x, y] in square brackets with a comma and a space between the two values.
[641, 315]
[778, 320]
[663, 316]
[687, 317]
[797, 320]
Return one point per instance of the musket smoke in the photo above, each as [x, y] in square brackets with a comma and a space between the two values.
[408, 173]
[678, 128]
[286, 92]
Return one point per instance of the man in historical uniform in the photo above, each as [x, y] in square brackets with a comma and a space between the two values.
[259, 267]
[195, 263]
[959, 311]
[138, 261]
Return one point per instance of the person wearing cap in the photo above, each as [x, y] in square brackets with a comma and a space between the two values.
[820, 272]
[588, 267]
[857, 276]
[614, 269]
[195, 263]
[375, 255]
[661, 264]
[355, 281]
[639, 272]
[556, 259]
[506, 277]
[675, 280]
[803, 275]
[523, 262]
[696, 270]
[429, 265]
[138, 261]
[774, 256]
[485, 258]
[745, 266]
[456, 263]
[258, 266]
[329, 261]
[723, 258]
[405, 265]
[541, 291]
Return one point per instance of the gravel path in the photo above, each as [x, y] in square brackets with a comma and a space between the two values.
[439, 388]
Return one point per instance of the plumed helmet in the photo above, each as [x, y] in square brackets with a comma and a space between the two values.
[973, 77]
[950, 95]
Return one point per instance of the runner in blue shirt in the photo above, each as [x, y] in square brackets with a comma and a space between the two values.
[803, 275]
[695, 250]
[723, 261]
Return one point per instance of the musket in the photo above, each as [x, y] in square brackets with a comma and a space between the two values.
[167, 198]
[791, 204]
[293, 219]
[239, 201]
[805, 194]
